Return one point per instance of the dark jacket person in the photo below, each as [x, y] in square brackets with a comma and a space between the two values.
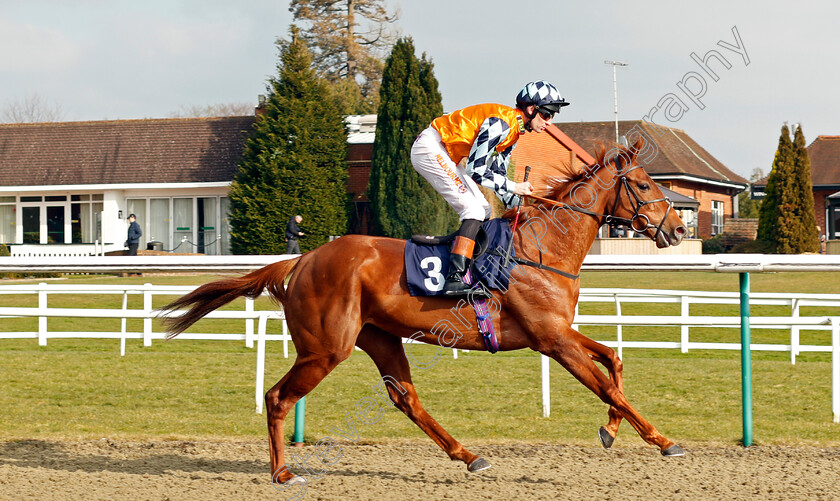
[292, 234]
[134, 234]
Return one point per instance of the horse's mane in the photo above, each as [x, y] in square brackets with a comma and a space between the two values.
[556, 187]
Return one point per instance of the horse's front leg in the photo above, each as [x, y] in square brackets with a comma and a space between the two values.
[607, 357]
[569, 348]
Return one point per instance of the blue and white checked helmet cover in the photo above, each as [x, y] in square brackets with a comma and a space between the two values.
[540, 94]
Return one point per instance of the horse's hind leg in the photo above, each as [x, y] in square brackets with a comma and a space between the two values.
[607, 357]
[388, 355]
[303, 377]
[571, 353]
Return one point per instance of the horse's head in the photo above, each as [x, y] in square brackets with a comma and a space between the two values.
[639, 203]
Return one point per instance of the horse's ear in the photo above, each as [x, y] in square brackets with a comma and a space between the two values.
[637, 147]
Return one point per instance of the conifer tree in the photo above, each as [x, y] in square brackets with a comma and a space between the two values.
[772, 206]
[294, 162]
[402, 202]
[805, 237]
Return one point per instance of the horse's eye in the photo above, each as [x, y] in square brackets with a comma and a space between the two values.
[644, 187]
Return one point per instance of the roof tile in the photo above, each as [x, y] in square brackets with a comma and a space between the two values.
[122, 151]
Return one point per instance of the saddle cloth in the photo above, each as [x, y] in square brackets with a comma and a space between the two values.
[426, 266]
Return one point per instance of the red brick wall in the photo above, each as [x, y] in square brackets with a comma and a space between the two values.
[358, 164]
[819, 208]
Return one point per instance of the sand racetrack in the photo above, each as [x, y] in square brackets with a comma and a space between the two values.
[178, 470]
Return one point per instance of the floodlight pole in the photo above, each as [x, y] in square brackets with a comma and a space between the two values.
[615, 92]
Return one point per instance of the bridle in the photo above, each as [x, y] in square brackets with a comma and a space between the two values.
[638, 223]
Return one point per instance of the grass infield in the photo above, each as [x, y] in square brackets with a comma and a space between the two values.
[76, 388]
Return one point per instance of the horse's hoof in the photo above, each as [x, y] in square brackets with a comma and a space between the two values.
[606, 439]
[673, 451]
[297, 480]
[478, 465]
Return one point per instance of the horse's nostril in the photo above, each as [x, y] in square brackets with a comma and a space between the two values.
[680, 230]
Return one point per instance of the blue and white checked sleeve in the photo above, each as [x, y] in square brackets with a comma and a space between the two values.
[488, 167]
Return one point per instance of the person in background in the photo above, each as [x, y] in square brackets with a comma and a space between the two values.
[134, 234]
[292, 234]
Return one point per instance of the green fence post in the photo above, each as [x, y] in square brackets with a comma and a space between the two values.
[300, 413]
[746, 360]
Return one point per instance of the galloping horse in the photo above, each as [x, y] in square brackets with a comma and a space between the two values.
[353, 292]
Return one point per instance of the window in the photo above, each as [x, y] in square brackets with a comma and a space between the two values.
[184, 224]
[836, 227]
[7, 220]
[689, 218]
[85, 218]
[717, 217]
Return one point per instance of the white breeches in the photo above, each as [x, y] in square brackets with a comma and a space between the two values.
[430, 158]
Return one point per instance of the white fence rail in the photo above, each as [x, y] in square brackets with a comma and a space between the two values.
[794, 301]
[733, 263]
[795, 322]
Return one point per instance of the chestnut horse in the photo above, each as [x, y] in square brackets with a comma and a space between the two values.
[353, 292]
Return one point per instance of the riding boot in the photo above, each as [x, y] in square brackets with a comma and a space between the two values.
[460, 258]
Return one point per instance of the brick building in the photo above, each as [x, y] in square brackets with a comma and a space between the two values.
[361, 131]
[670, 156]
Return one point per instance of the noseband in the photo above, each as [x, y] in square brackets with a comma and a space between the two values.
[638, 223]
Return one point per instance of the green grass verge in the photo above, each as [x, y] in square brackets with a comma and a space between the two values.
[205, 389]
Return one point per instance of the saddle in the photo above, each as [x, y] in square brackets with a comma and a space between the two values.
[426, 247]
[481, 241]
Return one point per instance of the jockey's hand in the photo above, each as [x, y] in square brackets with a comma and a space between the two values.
[523, 188]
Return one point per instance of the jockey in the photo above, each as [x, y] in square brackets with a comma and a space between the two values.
[484, 135]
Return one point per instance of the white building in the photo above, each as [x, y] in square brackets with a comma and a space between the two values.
[67, 188]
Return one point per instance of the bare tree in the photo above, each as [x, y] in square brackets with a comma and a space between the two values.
[30, 109]
[214, 110]
[349, 40]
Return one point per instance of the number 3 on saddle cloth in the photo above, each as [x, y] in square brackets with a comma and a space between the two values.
[427, 265]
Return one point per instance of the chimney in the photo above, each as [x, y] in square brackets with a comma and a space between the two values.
[261, 102]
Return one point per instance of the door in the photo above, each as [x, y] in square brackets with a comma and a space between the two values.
[159, 222]
[31, 222]
[55, 224]
[207, 232]
[182, 213]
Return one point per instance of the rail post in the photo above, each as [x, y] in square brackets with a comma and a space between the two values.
[835, 368]
[300, 421]
[546, 385]
[42, 321]
[147, 322]
[249, 323]
[685, 312]
[123, 321]
[259, 386]
[746, 360]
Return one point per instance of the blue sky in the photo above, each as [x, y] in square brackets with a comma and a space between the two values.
[117, 59]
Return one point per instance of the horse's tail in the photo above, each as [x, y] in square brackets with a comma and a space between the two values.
[214, 295]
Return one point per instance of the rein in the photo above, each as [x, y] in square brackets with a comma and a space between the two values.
[533, 264]
[608, 219]
[613, 220]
